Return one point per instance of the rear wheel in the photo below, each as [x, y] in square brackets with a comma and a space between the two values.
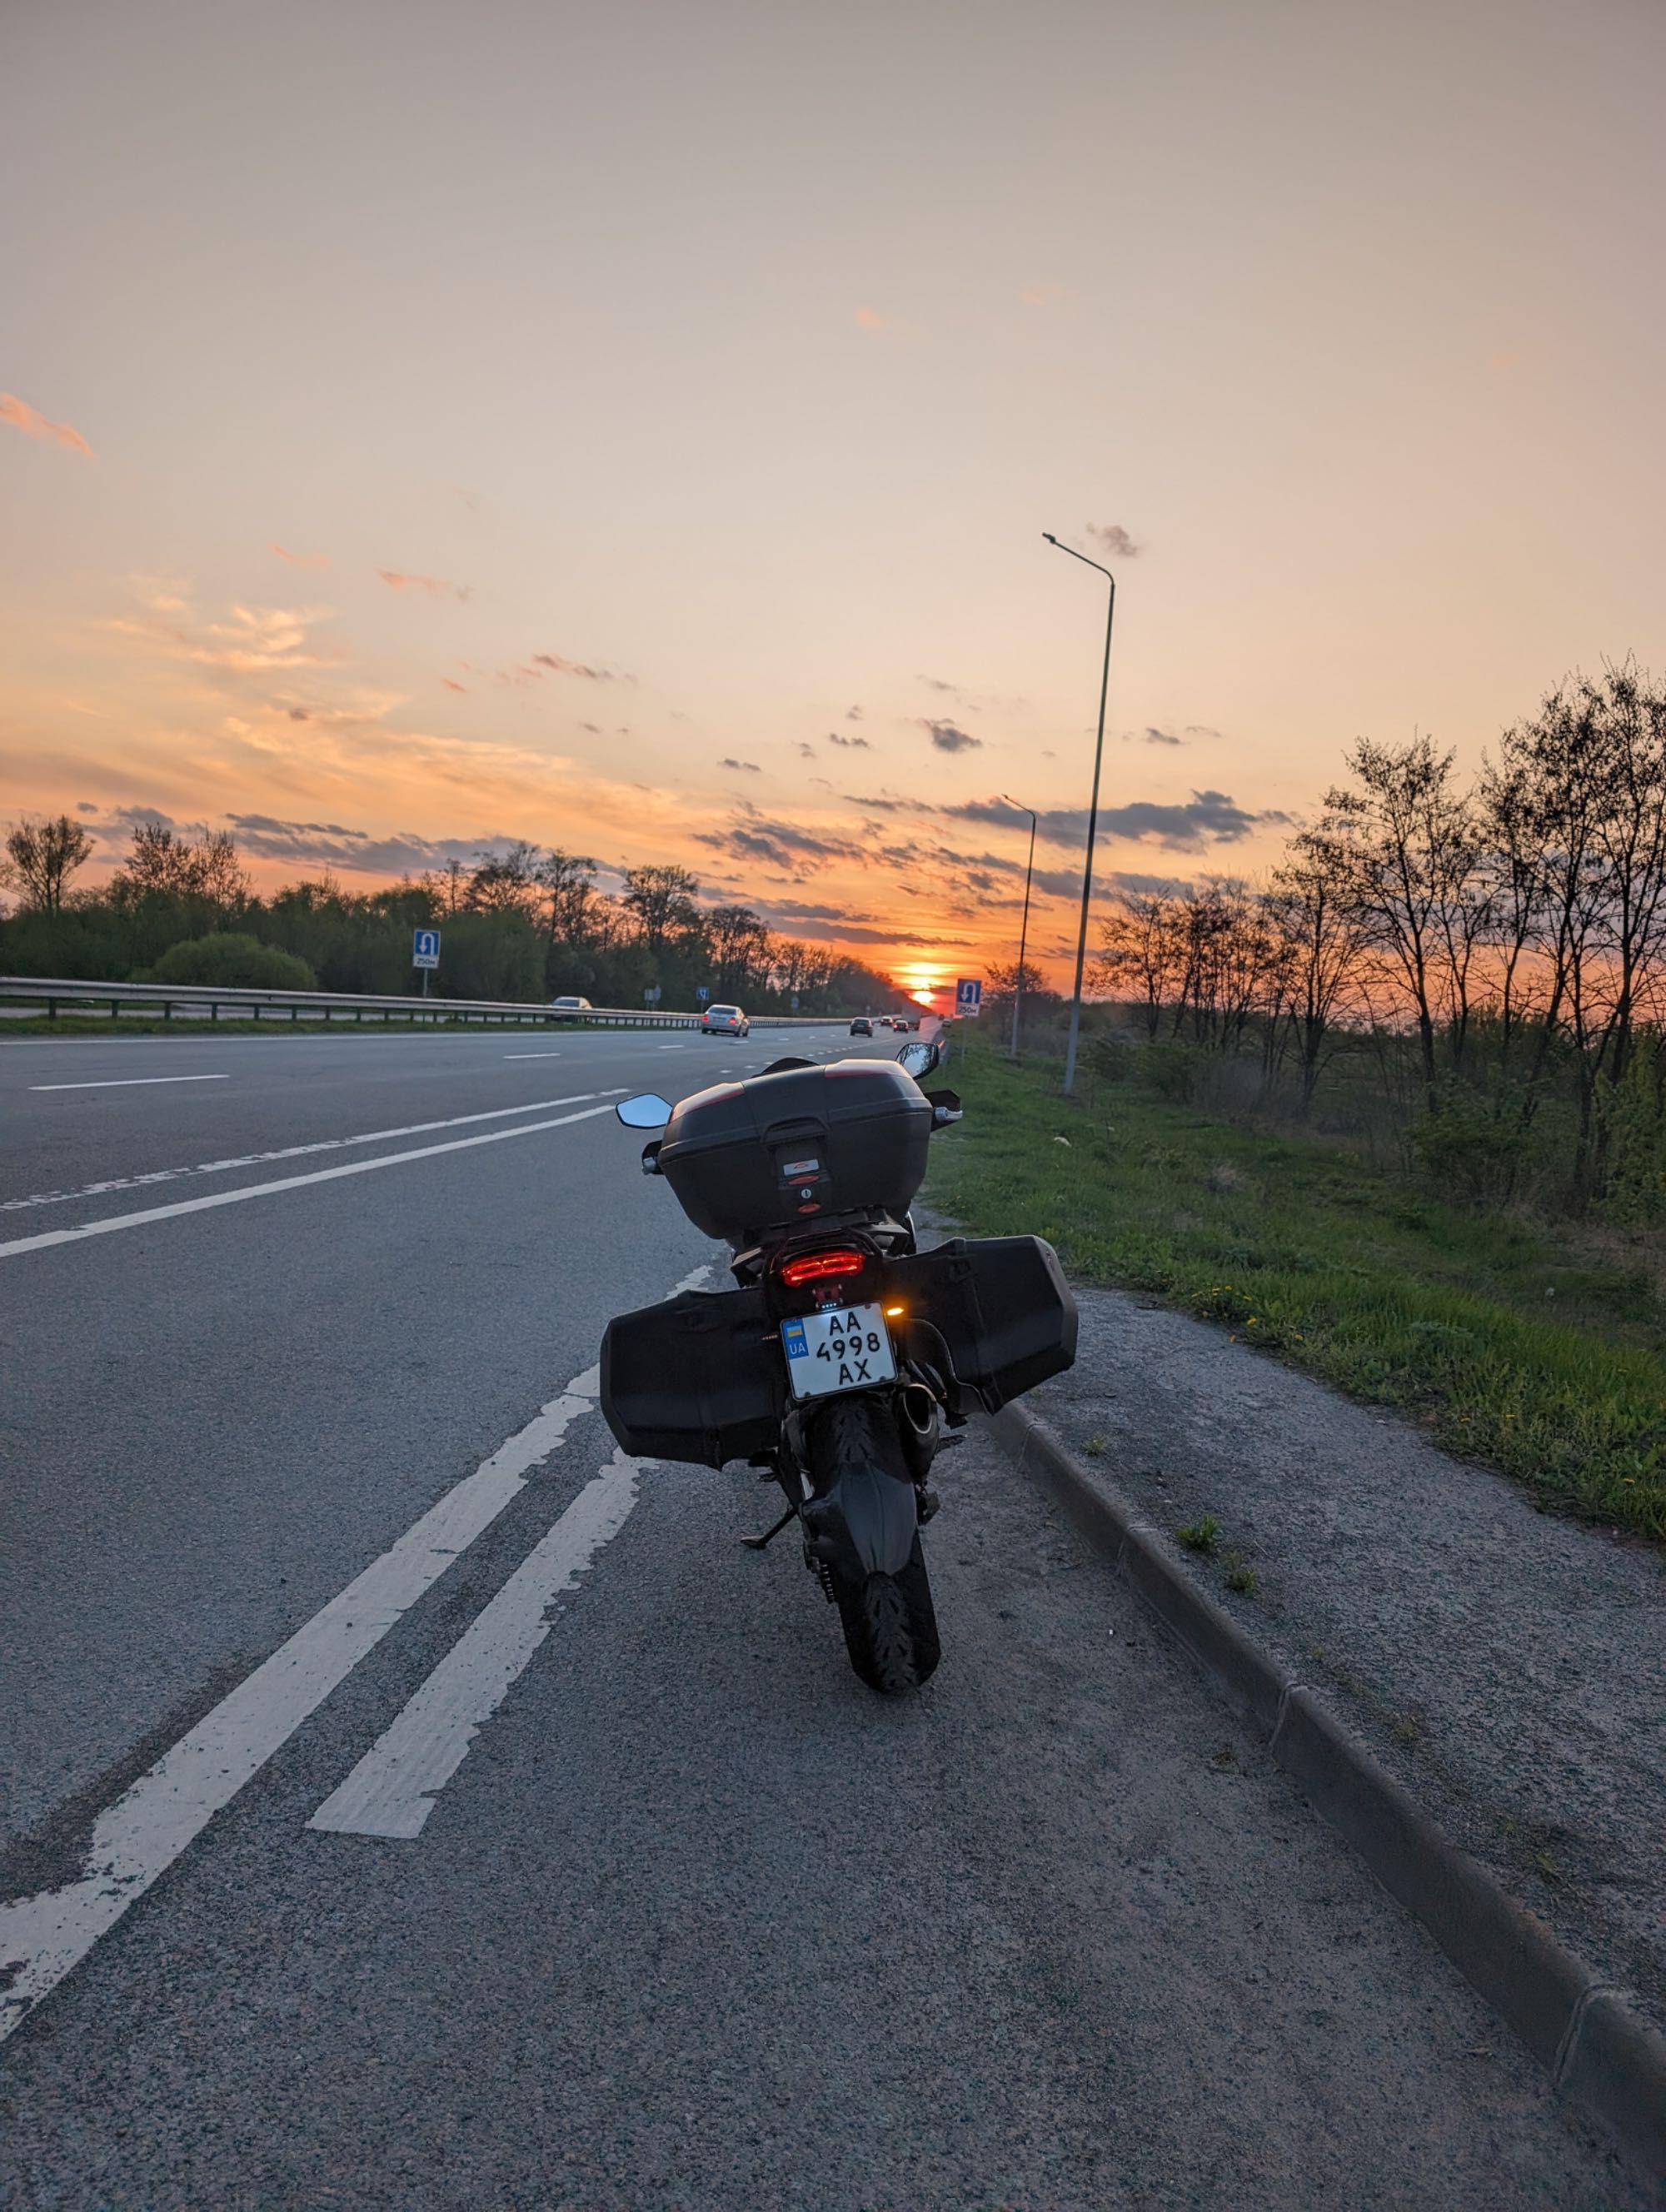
[890, 1626]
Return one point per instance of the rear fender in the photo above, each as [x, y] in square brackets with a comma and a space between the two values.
[863, 1517]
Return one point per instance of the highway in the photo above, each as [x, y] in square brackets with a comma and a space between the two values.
[406, 1801]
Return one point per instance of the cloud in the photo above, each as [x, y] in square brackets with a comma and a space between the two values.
[1111, 537]
[805, 752]
[452, 685]
[437, 587]
[1153, 735]
[852, 714]
[936, 684]
[34, 424]
[866, 319]
[335, 845]
[950, 738]
[855, 745]
[251, 641]
[755, 836]
[299, 560]
[1207, 817]
[558, 664]
[750, 768]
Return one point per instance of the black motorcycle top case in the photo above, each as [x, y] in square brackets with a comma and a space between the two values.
[785, 1151]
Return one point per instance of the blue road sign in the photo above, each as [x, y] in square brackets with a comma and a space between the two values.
[425, 948]
[702, 993]
[969, 996]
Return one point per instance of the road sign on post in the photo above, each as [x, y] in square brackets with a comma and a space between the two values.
[969, 997]
[651, 995]
[702, 991]
[425, 952]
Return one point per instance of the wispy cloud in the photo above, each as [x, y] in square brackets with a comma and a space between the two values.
[299, 560]
[452, 685]
[558, 664]
[437, 587]
[855, 745]
[251, 641]
[1206, 818]
[868, 319]
[1111, 537]
[949, 737]
[750, 768]
[34, 424]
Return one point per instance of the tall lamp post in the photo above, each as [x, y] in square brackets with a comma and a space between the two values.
[1092, 815]
[1024, 933]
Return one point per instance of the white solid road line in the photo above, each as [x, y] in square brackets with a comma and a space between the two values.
[129, 1082]
[392, 1790]
[112, 1222]
[300, 1151]
[136, 1839]
[531, 1055]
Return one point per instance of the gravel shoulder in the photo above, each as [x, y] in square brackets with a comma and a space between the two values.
[1505, 1665]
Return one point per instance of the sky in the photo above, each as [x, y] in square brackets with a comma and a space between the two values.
[632, 427]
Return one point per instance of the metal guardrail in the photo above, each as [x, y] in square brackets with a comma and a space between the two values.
[211, 999]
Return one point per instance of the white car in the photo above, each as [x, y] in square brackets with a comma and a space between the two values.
[569, 1006]
[724, 1021]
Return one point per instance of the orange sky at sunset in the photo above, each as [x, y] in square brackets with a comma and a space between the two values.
[632, 429]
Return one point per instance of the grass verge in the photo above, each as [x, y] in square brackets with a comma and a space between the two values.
[1503, 1340]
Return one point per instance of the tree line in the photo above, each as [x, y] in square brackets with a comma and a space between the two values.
[1490, 957]
[523, 924]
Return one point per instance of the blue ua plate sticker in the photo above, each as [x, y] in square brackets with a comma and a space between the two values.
[792, 1335]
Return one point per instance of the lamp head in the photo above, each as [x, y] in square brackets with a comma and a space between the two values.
[1050, 538]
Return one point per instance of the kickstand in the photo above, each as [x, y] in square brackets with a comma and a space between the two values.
[757, 1543]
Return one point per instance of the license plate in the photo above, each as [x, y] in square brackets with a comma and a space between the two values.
[841, 1348]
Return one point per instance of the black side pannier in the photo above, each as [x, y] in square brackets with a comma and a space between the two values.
[699, 1377]
[1002, 1306]
[783, 1151]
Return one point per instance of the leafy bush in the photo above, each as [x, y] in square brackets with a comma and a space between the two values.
[239, 962]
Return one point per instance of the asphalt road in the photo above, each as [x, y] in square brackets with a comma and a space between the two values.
[404, 1802]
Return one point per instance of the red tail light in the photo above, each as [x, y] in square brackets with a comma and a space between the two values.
[817, 1266]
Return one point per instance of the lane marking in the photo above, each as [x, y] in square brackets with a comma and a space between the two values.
[129, 1082]
[136, 1839]
[112, 1222]
[392, 1789]
[531, 1055]
[299, 1151]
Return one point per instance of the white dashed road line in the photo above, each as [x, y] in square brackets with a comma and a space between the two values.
[112, 1222]
[391, 1792]
[136, 1839]
[296, 1151]
[129, 1082]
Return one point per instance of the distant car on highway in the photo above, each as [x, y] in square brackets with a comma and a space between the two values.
[861, 1026]
[570, 1005]
[724, 1021]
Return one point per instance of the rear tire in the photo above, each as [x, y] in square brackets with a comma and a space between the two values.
[890, 1626]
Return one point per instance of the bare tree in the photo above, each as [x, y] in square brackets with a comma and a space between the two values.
[41, 856]
[1405, 842]
[1142, 955]
[164, 863]
[1323, 936]
[662, 901]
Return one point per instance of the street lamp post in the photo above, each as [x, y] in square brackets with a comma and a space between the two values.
[1024, 933]
[1092, 815]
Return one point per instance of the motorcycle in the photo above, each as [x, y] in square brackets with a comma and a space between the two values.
[845, 1358]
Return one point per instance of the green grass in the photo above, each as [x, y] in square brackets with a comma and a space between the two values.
[1505, 1340]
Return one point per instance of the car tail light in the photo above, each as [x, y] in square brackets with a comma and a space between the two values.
[817, 1266]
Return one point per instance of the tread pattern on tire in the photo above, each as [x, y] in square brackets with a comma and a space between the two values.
[890, 1627]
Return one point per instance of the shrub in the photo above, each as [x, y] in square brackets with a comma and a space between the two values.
[240, 962]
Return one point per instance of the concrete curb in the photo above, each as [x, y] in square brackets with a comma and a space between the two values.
[1601, 2054]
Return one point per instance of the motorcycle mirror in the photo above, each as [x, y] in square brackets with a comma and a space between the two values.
[919, 1059]
[647, 1110]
